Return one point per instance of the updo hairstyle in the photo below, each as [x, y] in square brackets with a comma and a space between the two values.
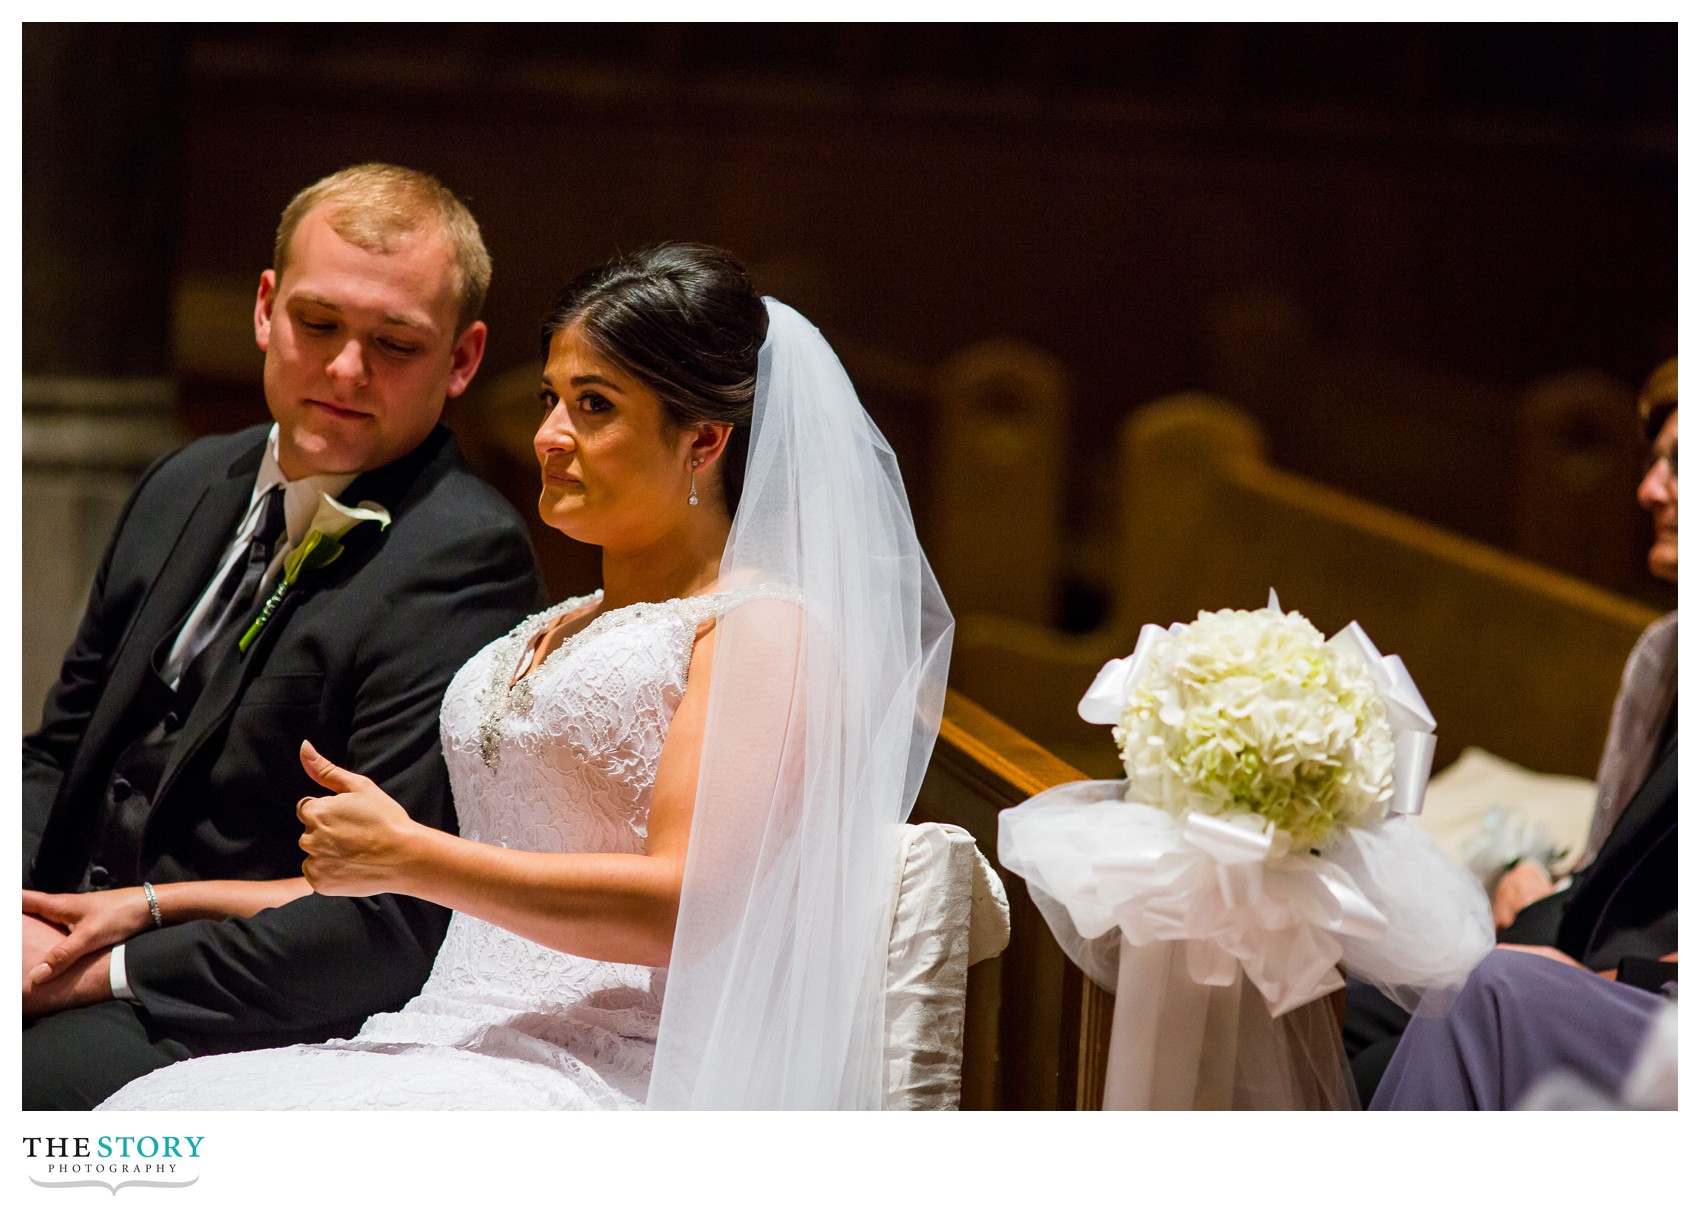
[683, 320]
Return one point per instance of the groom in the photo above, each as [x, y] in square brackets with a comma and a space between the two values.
[167, 752]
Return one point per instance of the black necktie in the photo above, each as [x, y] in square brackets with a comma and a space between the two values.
[234, 605]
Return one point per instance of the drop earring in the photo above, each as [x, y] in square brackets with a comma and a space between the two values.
[693, 497]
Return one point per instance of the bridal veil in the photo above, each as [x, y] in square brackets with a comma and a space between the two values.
[821, 721]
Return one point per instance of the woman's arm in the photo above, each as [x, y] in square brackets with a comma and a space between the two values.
[92, 920]
[619, 907]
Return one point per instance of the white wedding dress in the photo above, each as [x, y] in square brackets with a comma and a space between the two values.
[564, 760]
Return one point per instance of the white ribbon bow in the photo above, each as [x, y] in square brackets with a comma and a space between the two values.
[1217, 884]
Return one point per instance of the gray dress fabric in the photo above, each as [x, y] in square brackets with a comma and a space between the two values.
[1644, 701]
[1520, 1018]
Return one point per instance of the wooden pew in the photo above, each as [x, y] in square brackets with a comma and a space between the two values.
[995, 504]
[1546, 469]
[1578, 459]
[1037, 1031]
[1511, 656]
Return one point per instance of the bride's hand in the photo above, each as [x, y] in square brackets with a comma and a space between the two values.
[359, 840]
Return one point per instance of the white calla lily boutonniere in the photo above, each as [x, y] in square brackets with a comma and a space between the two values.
[321, 546]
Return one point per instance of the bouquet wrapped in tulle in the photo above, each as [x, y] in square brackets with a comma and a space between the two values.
[1259, 844]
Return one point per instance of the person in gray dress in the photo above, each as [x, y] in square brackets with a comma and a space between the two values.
[1582, 1008]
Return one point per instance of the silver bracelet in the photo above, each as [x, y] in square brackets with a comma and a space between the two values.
[153, 905]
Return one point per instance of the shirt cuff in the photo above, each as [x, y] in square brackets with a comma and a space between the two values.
[120, 981]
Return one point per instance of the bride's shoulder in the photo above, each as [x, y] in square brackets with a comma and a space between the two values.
[758, 628]
[752, 604]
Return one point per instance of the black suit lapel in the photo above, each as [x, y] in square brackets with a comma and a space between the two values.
[1617, 884]
[183, 577]
[203, 533]
[1657, 791]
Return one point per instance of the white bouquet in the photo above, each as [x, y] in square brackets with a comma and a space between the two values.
[1255, 713]
[1260, 837]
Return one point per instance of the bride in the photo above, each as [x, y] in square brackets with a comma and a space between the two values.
[683, 784]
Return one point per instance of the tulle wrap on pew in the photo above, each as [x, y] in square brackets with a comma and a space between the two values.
[1220, 953]
[1221, 942]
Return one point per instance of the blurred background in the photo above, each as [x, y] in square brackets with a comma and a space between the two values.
[1427, 265]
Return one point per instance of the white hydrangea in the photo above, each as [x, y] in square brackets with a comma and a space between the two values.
[1255, 712]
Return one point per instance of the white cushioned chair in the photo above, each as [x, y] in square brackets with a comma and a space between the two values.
[949, 912]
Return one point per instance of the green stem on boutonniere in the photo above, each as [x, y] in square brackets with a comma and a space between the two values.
[316, 551]
[323, 544]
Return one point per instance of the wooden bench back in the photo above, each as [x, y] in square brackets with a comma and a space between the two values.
[1000, 443]
[1510, 655]
[1578, 460]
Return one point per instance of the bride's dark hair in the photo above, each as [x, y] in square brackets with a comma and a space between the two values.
[684, 320]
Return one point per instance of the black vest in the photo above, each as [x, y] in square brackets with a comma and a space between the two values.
[156, 721]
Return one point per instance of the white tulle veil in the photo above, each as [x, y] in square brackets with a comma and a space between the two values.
[821, 720]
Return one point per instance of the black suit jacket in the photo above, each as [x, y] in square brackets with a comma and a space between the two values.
[1624, 903]
[356, 659]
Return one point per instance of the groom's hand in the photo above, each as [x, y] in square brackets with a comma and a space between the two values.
[358, 839]
[40, 937]
[82, 983]
[94, 920]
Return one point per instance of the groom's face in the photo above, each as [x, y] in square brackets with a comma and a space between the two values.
[361, 349]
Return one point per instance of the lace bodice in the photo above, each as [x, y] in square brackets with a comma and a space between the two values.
[564, 759]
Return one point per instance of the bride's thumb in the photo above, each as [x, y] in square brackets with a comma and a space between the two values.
[325, 772]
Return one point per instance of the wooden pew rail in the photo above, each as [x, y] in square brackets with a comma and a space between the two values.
[1037, 1032]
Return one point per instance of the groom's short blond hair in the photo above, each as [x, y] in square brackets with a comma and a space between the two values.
[377, 206]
